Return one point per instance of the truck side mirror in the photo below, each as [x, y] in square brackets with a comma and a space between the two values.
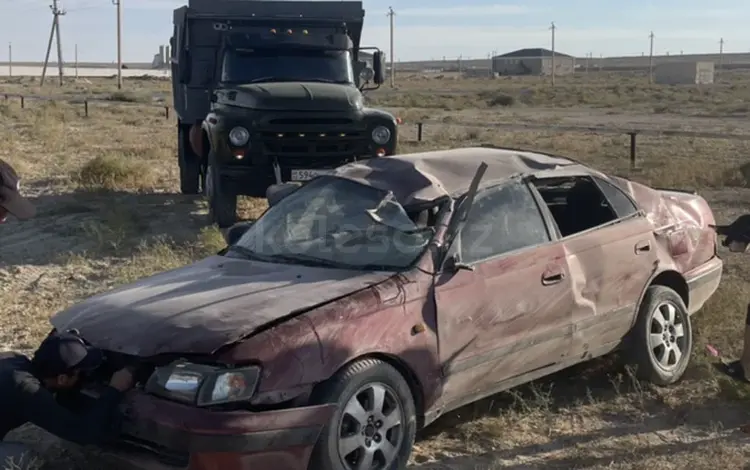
[378, 67]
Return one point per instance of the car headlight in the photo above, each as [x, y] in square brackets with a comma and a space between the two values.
[203, 385]
[239, 136]
[381, 135]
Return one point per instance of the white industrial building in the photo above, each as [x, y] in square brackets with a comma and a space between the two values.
[684, 73]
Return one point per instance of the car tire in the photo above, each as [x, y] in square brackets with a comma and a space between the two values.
[662, 339]
[358, 384]
[190, 165]
[222, 205]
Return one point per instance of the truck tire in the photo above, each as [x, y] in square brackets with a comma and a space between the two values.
[190, 165]
[222, 205]
[375, 419]
[662, 339]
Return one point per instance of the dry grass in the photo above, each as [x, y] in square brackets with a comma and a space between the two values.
[106, 187]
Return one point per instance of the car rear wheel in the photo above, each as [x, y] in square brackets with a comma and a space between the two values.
[662, 338]
[375, 423]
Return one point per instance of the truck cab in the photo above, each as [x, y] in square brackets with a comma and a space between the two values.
[271, 91]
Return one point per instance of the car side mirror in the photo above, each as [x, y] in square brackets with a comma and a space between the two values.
[378, 67]
[454, 264]
[236, 231]
[276, 192]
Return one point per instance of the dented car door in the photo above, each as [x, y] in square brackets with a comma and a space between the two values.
[611, 266]
[504, 303]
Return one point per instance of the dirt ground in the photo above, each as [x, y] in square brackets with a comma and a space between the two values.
[109, 212]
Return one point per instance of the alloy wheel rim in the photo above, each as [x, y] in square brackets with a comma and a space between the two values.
[667, 341]
[371, 430]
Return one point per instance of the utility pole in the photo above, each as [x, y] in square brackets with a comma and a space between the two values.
[118, 4]
[54, 32]
[76, 59]
[552, 28]
[721, 54]
[10, 59]
[391, 15]
[588, 59]
[651, 58]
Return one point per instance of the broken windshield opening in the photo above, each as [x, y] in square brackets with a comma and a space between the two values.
[286, 64]
[336, 222]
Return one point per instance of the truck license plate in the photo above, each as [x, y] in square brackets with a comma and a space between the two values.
[304, 175]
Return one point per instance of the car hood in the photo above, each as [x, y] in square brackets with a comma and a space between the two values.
[203, 306]
[293, 96]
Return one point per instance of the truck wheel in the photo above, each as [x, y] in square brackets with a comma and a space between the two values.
[190, 166]
[222, 206]
[375, 423]
[662, 339]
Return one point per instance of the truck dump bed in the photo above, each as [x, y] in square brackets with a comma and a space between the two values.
[200, 27]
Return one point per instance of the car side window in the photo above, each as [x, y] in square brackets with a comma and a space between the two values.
[617, 198]
[502, 219]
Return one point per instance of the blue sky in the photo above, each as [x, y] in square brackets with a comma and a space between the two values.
[424, 29]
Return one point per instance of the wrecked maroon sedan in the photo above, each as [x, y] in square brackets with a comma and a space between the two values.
[365, 303]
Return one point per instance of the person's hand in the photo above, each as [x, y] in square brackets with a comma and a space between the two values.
[122, 380]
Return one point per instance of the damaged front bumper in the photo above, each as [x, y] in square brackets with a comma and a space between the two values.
[160, 434]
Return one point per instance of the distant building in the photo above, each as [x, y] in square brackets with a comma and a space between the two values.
[161, 60]
[684, 73]
[537, 61]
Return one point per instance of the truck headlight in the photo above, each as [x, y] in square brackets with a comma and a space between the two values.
[203, 385]
[381, 135]
[239, 136]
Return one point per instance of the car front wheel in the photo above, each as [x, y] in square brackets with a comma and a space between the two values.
[662, 337]
[375, 423]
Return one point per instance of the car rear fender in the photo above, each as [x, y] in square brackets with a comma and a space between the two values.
[666, 276]
[682, 222]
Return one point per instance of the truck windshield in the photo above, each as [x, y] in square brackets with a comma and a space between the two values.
[294, 65]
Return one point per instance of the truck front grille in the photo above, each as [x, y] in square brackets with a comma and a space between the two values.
[301, 121]
[331, 145]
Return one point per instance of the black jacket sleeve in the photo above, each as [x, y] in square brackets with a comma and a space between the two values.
[92, 426]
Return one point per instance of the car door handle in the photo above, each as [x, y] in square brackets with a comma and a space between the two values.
[552, 278]
[642, 247]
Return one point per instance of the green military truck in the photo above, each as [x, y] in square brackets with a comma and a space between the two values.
[271, 91]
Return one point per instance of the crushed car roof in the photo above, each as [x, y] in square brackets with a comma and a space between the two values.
[427, 176]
